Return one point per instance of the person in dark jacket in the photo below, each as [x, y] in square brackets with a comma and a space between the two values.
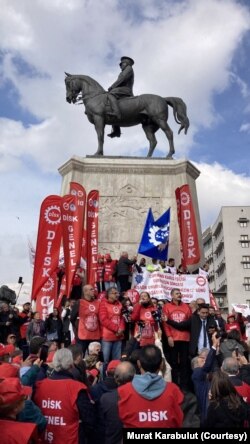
[109, 384]
[202, 366]
[110, 424]
[54, 327]
[124, 271]
[226, 407]
[198, 325]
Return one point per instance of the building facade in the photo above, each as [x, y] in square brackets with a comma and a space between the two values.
[227, 250]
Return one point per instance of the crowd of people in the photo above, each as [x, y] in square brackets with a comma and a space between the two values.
[111, 358]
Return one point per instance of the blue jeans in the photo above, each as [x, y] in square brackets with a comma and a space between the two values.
[111, 350]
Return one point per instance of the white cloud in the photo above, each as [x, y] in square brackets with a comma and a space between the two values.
[218, 186]
[245, 127]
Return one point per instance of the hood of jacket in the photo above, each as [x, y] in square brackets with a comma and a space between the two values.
[149, 385]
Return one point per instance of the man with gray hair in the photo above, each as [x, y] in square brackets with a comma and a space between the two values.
[230, 366]
[110, 423]
[65, 403]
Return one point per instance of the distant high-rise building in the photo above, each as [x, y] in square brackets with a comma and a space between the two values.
[227, 250]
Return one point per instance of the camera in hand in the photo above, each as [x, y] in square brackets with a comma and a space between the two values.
[156, 315]
[141, 324]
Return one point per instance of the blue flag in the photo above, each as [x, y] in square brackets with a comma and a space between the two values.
[155, 237]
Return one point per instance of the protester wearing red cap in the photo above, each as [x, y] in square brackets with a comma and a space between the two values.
[231, 323]
[12, 402]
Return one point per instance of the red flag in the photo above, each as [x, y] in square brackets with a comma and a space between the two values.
[187, 225]
[213, 301]
[92, 235]
[71, 241]
[62, 292]
[48, 242]
[46, 297]
[77, 190]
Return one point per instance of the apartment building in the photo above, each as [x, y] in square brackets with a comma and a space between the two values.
[227, 250]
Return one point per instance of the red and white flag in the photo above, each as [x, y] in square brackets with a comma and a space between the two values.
[92, 235]
[48, 243]
[46, 298]
[187, 224]
[77, 190]
[71, 241]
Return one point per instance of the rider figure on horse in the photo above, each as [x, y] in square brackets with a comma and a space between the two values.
[122, 87]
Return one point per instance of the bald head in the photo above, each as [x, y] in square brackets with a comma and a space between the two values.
[124, 373]
[88, 292]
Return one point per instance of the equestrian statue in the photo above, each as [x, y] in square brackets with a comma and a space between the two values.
[120, 108]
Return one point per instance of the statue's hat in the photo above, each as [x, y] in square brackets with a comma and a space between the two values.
[131, 61]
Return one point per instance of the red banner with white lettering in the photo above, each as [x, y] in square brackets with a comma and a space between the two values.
[71, 241]
[213, 301]
[48, 242]
[77, 190]
[46, 298]
[187, 224]
[92, 235]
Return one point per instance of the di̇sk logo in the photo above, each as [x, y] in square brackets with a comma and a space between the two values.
[91, 307]
[158, 235]
[185, 198]
[116, 310]
[78, 193]
[52, 215]
[201, 281]
[147, 315]
[48, 286]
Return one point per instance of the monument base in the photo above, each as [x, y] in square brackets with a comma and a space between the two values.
[128, 187]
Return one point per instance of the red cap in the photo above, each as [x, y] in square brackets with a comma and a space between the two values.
[6, 349]
[113, 364]
[107, 256]
[11, 390]
[8, 370]
[231, 315]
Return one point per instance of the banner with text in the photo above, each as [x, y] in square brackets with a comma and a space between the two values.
[159, 285]
[187, 224]
[48, 242]
[46, 298]
[77, 190]
[92, 235]
[71, 241]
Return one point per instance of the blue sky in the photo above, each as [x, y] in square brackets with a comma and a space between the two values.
[195, 49]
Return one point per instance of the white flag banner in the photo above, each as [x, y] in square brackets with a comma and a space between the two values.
[159, 285]
[242, 308]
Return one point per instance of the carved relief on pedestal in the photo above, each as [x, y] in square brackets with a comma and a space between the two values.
[125, 215]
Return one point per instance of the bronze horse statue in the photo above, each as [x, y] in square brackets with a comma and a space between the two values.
[149, 110]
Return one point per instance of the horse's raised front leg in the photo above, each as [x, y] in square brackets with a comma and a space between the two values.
[99, 127]
[149, 131]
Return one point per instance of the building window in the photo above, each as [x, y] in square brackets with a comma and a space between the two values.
[245, 258]
[243, 222]
[247, 283]
[244, 244]
[246, 265]
[243, 237]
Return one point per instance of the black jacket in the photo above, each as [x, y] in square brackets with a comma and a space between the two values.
[194, 325]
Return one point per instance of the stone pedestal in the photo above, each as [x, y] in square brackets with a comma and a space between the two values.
[128, 187]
